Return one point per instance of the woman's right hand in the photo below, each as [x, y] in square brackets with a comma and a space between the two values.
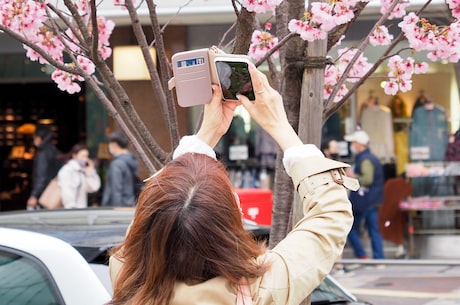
[217, 118]
[268, 111]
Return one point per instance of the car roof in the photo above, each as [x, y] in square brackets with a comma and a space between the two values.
[61, 260]
[93, 227]
[92, 231]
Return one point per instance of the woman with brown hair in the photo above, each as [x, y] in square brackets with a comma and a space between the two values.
[187, 244]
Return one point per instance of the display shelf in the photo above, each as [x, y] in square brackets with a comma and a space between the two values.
[431, 216]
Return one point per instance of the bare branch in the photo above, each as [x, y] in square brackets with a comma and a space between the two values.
[171, 115]
[95, 31]
[219, 45]
[173, 17]
[155, 80]
[235, 8]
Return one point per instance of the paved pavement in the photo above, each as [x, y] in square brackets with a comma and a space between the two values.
[404, 284]
[433, 281]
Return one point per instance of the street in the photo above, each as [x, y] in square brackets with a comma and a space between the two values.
[398, 284]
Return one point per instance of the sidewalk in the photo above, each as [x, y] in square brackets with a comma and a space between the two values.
[400, 284]
[403, 281]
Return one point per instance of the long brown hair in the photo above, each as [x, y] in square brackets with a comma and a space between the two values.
[187, 227]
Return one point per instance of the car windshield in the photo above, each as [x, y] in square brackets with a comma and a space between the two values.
[330, 292]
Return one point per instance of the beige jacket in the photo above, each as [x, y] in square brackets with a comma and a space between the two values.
[300, 261]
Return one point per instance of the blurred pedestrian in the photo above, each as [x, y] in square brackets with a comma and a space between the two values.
[121, 182]
[45, 164]
[365, 201]
[77, 178]
[330, 148]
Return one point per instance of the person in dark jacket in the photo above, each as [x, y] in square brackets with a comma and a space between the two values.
[45, 164]
[120, 184]
[366, 201]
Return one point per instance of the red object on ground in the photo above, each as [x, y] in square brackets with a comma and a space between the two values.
[256, 204]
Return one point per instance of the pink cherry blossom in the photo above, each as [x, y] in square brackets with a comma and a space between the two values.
[261, 6]
[86, 64]
[391, 87]
[380, 37]
[65, 81]
[420, 68]
[454, 5]
[323, 17]
[261, 43]
[397, 12]
[400, 75]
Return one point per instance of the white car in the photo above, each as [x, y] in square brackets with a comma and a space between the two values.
[37, 269]
[66, 262]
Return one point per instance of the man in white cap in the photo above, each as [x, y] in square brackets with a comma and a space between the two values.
[366, 201]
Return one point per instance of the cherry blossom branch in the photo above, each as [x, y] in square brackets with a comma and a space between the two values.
[147, 145]
[360, 51]
[335, 106]
[78, 19]
[276, 47]
[39, 50]
[69, 25]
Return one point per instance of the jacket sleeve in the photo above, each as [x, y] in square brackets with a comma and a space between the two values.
[40, 179]
[68, 181]
[93, 181]
[116, 183]
[303, 259]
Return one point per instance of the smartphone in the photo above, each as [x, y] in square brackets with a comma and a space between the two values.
[234, 78]
[192, 77]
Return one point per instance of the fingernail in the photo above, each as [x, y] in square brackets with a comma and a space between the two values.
[252, 66]
[238, 96]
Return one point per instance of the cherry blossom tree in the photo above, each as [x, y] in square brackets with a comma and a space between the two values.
[307, 64]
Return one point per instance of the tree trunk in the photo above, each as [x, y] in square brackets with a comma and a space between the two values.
[283, 191]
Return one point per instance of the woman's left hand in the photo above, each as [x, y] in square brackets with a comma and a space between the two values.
[217, 118]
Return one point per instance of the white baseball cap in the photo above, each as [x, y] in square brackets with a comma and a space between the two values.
[359, 136]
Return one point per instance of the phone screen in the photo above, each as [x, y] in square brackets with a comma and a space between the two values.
[234, 78]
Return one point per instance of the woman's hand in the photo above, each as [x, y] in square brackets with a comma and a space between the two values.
[268, 111]
[217, 118]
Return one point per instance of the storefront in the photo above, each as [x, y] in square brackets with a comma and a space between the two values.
[248, 152]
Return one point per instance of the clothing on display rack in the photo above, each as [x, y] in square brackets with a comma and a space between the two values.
[428, 142]
[429, 131]
[377, 121]
[420, 101]
[401, 121]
